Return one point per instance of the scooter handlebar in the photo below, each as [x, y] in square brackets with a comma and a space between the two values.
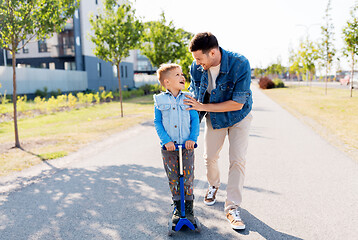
[177, 146]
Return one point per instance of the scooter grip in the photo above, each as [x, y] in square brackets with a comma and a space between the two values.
[177, 146]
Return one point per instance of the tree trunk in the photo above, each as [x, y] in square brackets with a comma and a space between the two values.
[120, 88]
[352, 74]
[325, 90]
[14, 99]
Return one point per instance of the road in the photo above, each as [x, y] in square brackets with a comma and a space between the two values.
[298, 186]
[321, 84]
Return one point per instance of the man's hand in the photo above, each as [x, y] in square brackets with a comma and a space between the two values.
[170, 146]
[195, 105]
[226, 106]
[189, 144]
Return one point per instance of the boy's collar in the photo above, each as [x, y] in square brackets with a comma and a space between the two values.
[169, 92]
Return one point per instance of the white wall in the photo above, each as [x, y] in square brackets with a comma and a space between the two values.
[86, 8]
[30, 79]
[142, 79]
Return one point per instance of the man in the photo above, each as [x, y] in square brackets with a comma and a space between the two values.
[220, 82]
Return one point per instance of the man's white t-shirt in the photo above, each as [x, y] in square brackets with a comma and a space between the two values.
[213, 73]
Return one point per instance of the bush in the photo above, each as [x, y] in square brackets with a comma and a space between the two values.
[42, 94]
[146, 88]
[278, 83]
[266, 83]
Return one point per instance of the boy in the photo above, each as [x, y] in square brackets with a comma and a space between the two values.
[176, 125]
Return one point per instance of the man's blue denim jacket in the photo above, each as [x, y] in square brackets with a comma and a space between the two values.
[232, 83]
[172, 121]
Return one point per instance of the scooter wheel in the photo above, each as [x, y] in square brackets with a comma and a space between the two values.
[198, 225]
[170, 227]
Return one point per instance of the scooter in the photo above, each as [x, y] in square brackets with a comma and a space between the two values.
[183, 221]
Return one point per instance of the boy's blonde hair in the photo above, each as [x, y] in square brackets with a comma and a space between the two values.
[163, 71]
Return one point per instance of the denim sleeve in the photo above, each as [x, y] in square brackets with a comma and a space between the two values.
[163, 135]
[192, 88]
[194, 125]
[242, 86]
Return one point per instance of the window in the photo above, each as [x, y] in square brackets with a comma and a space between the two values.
[96, 2]
[25, 48]
[125, 67]
[42, 45]
[121, 71]
[99, 69]
[70, 65]
[23, 65]
[115, 71]
[52, 66]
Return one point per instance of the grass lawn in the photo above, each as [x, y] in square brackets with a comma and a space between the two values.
[56, 135]
[334, 116]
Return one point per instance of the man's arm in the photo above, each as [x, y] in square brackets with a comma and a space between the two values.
[227, 106]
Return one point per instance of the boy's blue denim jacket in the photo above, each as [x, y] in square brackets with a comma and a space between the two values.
[232, 83]
[172, 121]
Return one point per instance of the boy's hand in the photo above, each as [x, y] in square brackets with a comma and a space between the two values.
[189, 144]
[170, 146]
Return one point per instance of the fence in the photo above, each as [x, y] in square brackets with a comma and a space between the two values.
[142, 79]
[28, 80]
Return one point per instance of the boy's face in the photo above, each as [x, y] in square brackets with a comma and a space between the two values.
[175, 80]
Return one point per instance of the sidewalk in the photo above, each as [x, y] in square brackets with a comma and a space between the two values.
[298, 186]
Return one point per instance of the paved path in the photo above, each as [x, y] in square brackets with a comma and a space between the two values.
[297, 187]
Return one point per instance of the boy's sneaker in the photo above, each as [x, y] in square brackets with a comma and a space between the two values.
[189, 211]
[210, 198]
[176, 212]
[233, 216]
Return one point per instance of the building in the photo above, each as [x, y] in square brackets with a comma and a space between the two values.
[141, 64]
[72, 50]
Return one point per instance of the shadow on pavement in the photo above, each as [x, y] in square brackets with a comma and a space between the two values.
[254, 224]
[114, 202]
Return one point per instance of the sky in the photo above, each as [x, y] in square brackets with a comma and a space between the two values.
[261, 30]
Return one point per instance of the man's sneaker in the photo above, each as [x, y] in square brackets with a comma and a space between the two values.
[210, 196]
[233, 216]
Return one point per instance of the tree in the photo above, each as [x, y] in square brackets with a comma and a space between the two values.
[27, 20]
[185, 57]
[350, 35]
[164, 43]
[259, 72]
[115, 31]
[294, 64]
[327, 50]
[308, 54]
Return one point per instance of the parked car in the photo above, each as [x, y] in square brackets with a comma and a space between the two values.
[346, 80]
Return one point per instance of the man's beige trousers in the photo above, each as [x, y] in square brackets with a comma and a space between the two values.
[238, 136]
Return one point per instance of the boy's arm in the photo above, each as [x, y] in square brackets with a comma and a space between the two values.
[163, 135]
[194, 125]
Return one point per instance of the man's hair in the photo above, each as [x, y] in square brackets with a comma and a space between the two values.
[163, 70]
[204, 41]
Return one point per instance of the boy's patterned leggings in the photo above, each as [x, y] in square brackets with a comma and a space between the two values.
[171, 166]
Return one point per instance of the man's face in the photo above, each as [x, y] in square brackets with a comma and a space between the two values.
[203, 59]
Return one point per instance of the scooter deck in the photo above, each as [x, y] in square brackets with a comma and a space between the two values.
[184, 222]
